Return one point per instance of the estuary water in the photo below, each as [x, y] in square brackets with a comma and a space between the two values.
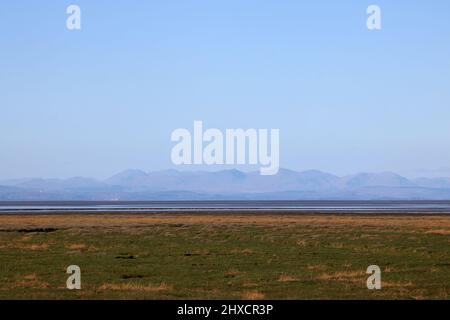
[419, 207]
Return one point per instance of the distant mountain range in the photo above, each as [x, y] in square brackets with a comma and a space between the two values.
[229, 184]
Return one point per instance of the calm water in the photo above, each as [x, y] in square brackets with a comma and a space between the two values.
[162, 206]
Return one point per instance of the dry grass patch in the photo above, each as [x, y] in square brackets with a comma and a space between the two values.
[75, 246]
[223, 218]
[396, 284]
[444, 293]
[388, 269]
[337, 245]
[232, 273]
[253, 295]
[22, 245]
[32, 277]
[26, 238]
[287, 278]
[353, 276]
[301, 243]
[243, 251]
[439, 231]
[316, 267]
[249, 284]
[134, 287]
[31, 281]
[36, 247]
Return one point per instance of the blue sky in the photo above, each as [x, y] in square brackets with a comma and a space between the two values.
[106, 98]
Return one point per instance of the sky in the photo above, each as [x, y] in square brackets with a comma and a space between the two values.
[99, 100]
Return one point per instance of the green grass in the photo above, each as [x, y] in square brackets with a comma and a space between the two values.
[225, 261]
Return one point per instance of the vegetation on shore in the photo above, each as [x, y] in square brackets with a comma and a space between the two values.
[217, 256]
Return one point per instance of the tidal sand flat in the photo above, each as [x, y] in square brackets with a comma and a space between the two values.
[224, 256]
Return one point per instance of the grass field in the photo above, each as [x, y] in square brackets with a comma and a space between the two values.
[218, 256]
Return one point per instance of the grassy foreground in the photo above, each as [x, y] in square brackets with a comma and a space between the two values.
[217, 256]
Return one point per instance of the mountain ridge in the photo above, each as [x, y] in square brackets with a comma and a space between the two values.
[135, 184]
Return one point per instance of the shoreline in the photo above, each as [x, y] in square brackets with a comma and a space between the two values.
[230, 212]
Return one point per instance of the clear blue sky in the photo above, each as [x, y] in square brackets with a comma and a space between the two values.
[106, 98]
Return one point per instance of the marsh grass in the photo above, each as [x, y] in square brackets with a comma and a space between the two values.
[224, 256]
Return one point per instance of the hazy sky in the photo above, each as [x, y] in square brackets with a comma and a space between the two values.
[106, 98]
